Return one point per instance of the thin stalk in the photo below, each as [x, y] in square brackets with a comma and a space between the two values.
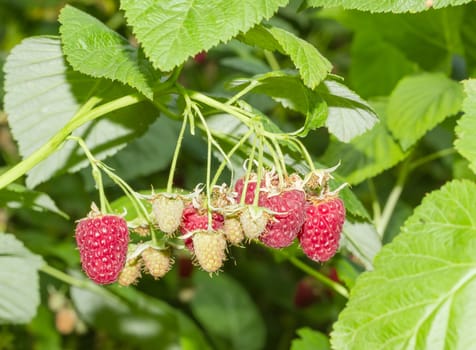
[392, 200]
[281, 159]
[319, 276]
[230, 153]
[376, 209]
[220, 106]
[440, 154]
[259, 170]
[83, 284]
[248, 172]
[176, 154]
[80, 118]
[272, 61]
[305, 153]
[242, 92]
[96, 173]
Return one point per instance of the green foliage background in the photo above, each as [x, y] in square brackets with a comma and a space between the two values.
[383, 87]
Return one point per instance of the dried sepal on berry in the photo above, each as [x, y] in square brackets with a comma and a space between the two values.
[209, 249]
[156, 262]
[167, 212]
[253, 221]
[130, 274]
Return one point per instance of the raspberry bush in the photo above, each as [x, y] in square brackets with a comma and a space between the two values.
[238, 175]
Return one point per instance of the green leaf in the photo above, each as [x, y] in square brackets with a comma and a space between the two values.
[310, 340]
[43, 94]
[421, 293]
[349, 115]
[138, 319]
[313, 67]
[227, 312]
[289, 90]
[172, 31]
[432, 49]
[395, 6]
[96, 50]
[389, 65]
[419, 103]
[20, 292]
[366, 155]
[363, 241]
[465, 130]
[16, 196]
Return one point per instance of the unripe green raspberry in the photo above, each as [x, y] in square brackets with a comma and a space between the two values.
[167, 213]
[130, 274]
[209, 248]
[156, 262]
[233, 231]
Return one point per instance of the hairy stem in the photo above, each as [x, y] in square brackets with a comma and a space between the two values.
[81, 117]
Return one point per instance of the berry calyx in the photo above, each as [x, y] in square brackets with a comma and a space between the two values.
[253, 221]
[102, 241]
[320, 235]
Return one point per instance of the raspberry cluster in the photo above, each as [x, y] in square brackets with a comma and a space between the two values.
[275, 210]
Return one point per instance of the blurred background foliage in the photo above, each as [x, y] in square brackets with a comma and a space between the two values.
[261, 300]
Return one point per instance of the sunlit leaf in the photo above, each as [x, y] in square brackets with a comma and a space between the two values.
[466, 141]
[421, 292]
[387, 5]
[94, 49]
[419, 103]
[172, 31]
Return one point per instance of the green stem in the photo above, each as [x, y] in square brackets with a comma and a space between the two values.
[83, 284]
[96, 173]
[219, 106]
[80, 118]
[305, 153]
[229, 154]
[176, 154]
[272, 61]
[377, 210]
[319, 276]
[243, 92]
[439, 154]
[392, 199]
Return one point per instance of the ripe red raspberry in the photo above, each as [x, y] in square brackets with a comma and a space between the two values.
[250, 191]
[102, 241]
[194, 220]
[306, 293]
[320, 234]
[209, 249]
[283, 228]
